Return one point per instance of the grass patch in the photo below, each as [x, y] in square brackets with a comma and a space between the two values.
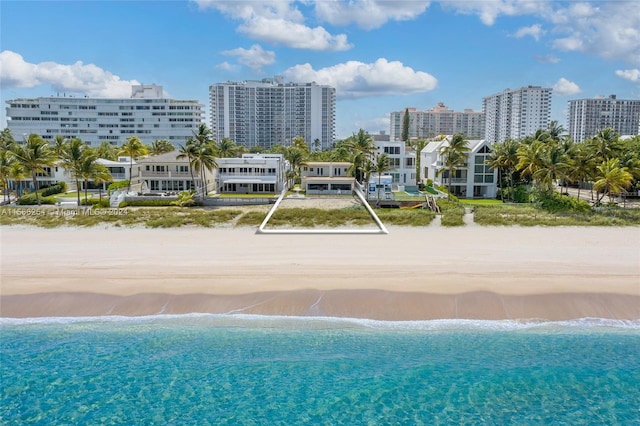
[531, 215]
[480, 202]
[418, 217]
[452, 213]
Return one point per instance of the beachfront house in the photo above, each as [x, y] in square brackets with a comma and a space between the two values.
[319, 177]
[165, 173]
[402, 162]
[474, 179]
[251, 174]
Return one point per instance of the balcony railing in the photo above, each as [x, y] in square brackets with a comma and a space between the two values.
[168, 174]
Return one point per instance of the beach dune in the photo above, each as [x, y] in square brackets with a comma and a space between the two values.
[432, 272]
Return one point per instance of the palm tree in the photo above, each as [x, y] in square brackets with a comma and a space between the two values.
[59, 142]
[89, 169]
[554, 167]
[556, 131]
[227, 148]
[361, 143]
[455, 155]
[296, 158]
[160, 146]
[611, 178]
[33, 156]
[5, 166]
[381, 166]
[530, 158]
[504, 157]
[188, 151]
[581, 165]
[17, 174]
[107, 151]
[70, 155]
[605, 144]
[132, 148]
[205, 159]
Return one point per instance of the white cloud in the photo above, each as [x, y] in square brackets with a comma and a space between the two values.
[255, 57]
[631, 75]
[490, 10]
[369, 14]
[565, 87]
[278, 22]
[226, 66]
[608, 29]
[293, 34]
[355, 79]
[547, 59]
[89, 79]
[534, 31]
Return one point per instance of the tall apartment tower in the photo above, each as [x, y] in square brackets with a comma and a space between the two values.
[439, 120]
[270, 112]
[147, 115]
[587, 116]
[514, 114]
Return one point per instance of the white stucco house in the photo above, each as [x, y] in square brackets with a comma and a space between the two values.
[402, 162]
[474, 179]
[251, 174]
[319, 177]
[165, 173]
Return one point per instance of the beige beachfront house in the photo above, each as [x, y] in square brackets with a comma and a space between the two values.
[319, 177]
[165, 173]
[474, 179]
[251, 174]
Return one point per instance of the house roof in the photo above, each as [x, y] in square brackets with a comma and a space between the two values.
[168, 157]
[110, 163]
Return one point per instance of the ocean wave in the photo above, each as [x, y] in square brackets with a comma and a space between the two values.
[319, 322]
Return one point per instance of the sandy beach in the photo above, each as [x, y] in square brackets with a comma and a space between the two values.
[432, 272]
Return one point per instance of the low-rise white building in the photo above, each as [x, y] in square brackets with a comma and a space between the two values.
[474, 179]
[319, 177]
[251, 174]
[167, 173]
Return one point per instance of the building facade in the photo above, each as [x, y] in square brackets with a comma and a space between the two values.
[166, 173]
[147, 115]
[474, 179]
[271, 112]
[251, 174]
[402, 162]
[587, 116]
[319, 177]
[439, 120]
[514, 114]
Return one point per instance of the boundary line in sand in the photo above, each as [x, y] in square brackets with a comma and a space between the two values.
[381, 228]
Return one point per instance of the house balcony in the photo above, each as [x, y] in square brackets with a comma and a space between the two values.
[118, 176]
[169, 174]
[239, 174]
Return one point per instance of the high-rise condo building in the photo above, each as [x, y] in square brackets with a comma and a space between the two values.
[271, 112]
[587, 116]
[439, 120]
[514, 114]
[147, 115]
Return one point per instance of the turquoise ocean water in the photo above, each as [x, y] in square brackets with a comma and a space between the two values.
[247, 370]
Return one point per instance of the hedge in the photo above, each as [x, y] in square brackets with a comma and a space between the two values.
[30, 200]
[54, 189]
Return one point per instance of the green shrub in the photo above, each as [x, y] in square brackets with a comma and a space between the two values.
[54, 189]
[104, 203]
[521, 194]
[117, 185]
[562, 203]
[30, 200]
[160, 202]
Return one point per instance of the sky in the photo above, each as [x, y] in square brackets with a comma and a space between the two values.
[381, 56]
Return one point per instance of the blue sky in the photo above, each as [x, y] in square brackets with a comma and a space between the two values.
[381, 56]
